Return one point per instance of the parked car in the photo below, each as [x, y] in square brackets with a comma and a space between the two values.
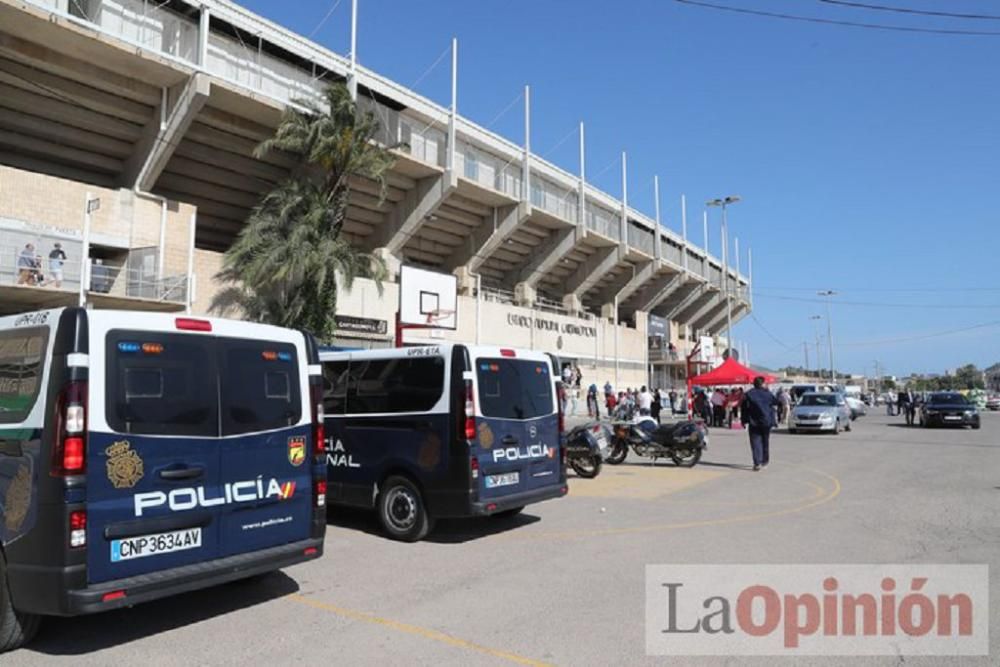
[993, 403]
[948, 408]
[857, 407]
[817, 411]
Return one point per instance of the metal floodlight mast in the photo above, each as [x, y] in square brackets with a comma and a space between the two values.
[723, 203]
[829, 330]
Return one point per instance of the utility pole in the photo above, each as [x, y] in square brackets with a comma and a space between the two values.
[819, 373]
[829, 331]
[805, 349]
[723, 203]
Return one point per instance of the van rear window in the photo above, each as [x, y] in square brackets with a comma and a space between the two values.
[161, 384]
[260, 386]
[514, 388]
[22, 353]
[180, 384]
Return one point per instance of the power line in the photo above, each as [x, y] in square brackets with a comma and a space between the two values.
[323, 21]
[504, 110]
[765, 330]
[880, 289]
[853, 24]
[877, 304]
[907, 339]
[907, 10]
[427, 71]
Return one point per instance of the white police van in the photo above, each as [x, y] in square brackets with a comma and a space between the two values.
[145, 454]
[449, 430]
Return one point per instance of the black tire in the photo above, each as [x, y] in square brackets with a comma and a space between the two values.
[975, 427]
[588, 467]
[847, 427]
[507, 514]
[618, 453]
[791, 430]
[689, 461]
[401, 510]
[16, 628]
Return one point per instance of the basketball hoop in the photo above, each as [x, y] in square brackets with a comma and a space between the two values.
[434, 317]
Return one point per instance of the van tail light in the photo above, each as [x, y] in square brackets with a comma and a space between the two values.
[470, 412]
[474, 467]
[506, 352]
[319, 493]
[77, 529]
[69, 451]
[318, 417]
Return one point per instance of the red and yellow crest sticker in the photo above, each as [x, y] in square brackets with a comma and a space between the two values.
[297, 450]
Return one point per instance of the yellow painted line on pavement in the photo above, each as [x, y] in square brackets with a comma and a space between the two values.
[416, 630]
[826, 497]
[640, 482]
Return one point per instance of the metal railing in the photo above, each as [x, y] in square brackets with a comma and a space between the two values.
[25, 269]
[603, 222]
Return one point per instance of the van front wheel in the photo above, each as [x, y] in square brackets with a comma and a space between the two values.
[401, 510]
[16, 628]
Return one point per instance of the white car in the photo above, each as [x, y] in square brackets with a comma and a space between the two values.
[857, 406]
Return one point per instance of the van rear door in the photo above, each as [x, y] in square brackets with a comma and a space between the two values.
[267, 452]
[154, 483]
[518, 425]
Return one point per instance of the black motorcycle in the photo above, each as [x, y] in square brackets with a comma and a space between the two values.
[683, 442]
[585, 448]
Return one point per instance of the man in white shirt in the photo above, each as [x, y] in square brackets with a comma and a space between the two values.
[645, 400]
[718, 407]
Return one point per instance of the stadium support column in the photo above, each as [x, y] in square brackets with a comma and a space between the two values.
[163, 133]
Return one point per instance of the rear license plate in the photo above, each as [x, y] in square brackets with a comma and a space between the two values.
[602, 443]
[505, 479]
[153, 545]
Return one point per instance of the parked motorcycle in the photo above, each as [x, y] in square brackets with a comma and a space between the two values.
[586, 446]
[682, 442]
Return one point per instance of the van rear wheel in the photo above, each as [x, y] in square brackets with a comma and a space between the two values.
[16, 628]
[401, 510]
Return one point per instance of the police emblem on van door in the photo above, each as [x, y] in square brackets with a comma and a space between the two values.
[124, 465]
[17, 499]
[297, 450]
[485, 435]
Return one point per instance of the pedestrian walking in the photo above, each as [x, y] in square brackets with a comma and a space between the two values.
[718, 407]
[757, 414]
[57, 258]
[785, 407]
[657, 405]
[645, 401]
[673, 401]
[593, 405]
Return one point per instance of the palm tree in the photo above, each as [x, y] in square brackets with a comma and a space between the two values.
[285, 263]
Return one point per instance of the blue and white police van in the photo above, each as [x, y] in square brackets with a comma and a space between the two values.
[145, 454]
[450, 430]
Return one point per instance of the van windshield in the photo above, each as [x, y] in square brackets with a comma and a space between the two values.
[514, 388]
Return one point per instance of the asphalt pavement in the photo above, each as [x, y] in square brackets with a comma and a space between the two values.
[563, 583]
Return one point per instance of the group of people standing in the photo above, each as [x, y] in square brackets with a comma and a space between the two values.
[29, 266]
[630, 402]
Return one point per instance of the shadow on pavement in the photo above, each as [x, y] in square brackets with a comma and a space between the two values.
[731, 466]
[84, 634]
[446, 531]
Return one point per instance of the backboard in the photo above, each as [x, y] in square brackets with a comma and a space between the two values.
[427, 299]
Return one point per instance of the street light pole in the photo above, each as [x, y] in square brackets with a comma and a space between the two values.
[723, 203]
[819, 364]
[829, 331]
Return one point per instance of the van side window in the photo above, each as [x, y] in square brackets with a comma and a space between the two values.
[161, 384]
[260, 386]
[335, 387]
[22, 355]
[411, 384]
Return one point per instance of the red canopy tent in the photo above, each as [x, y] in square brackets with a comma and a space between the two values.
[728, 373]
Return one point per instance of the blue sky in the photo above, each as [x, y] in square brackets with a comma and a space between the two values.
[867, 159]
